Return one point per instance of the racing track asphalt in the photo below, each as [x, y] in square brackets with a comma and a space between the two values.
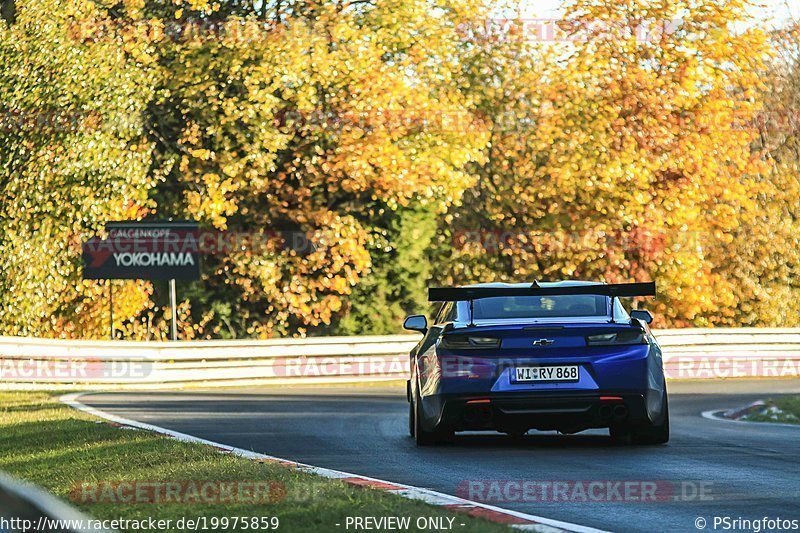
[747, 470]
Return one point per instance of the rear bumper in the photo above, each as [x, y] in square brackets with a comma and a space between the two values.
[563, 411]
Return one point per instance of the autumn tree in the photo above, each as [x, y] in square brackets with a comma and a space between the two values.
[349, 153]
[762, 257]
[634, 162]
[72, 156]
[319, 119]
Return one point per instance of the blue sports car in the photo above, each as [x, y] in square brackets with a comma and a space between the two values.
[562, 356]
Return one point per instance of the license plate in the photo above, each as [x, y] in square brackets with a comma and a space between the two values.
[546, 373]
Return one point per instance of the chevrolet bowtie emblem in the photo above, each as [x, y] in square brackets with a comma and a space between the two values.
[543, 342]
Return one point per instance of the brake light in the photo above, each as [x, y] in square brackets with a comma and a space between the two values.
[466, 367]
[624, 337]
[468, 342]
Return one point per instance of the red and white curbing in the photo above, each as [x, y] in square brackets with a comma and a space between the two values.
[734, 416]
[515, 519]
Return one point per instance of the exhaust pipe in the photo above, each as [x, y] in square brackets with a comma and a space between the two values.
[478, 413]
[605, 412]
[620, 412]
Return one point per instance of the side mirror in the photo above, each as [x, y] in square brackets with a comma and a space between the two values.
[642, 314]
[416, 323]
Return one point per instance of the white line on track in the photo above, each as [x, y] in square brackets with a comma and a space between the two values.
[525, 522]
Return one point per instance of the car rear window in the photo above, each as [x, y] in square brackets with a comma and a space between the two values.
[540, 306]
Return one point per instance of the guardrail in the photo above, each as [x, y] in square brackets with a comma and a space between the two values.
[26, 507]
[722, 353]
[27, 363]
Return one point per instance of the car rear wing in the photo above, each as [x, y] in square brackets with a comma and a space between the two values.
[612, 290]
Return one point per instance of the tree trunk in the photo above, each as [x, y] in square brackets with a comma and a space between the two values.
[8, 11]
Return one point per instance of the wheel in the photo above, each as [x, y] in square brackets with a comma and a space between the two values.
[620, 434]
[657, 433]
[411, 422]
[421, 435]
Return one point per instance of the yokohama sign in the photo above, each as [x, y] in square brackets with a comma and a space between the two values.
[144, 250]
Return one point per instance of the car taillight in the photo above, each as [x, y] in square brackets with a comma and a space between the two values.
[631, 336]
[466, 367]
[468, 342]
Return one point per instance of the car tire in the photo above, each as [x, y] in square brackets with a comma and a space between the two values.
[422, 436]
[620, 435]
[411, 421]
[657, 433]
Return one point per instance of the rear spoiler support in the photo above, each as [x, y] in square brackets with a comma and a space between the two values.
[613, 305]
[471, 313]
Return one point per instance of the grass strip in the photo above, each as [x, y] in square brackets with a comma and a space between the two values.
[94, 465]
[781, 409]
